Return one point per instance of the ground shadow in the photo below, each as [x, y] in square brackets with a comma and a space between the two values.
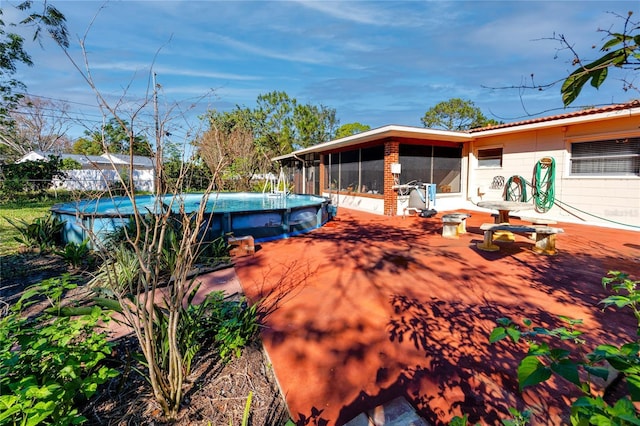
[390, 308]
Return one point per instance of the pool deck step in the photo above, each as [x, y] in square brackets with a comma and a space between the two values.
[397, 412]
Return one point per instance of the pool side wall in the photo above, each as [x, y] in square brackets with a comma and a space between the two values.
[263, 225]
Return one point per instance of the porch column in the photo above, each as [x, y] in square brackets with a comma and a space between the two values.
[322, 173]
[391, 155]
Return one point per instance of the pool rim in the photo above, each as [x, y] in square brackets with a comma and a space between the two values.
[57, 208]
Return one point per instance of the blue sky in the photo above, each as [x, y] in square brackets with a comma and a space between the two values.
[375, 62]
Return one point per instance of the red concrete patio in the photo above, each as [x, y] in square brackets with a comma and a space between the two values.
[369, 308]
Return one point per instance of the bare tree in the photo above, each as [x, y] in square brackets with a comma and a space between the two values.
[232, 156]
[37, 125]
[165, 242]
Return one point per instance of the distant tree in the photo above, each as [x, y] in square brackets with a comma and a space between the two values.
[13, 54]
[86, 146]
[114, 138]
[36, 125]
[280, 124]
[272, 123]
[349, 129]
[276, 126]
[70, 164]
[455, 114]
[229, 150]
[313, 125]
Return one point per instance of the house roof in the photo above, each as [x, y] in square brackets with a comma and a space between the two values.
[138, 160]
[105, 159]
[567, 116]
[392, 130]
[593, 114]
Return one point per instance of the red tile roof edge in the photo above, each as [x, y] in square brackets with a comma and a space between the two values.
[609, 108]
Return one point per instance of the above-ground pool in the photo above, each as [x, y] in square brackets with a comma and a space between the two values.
[264, 216]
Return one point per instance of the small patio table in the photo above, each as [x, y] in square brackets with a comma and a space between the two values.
[503, 208]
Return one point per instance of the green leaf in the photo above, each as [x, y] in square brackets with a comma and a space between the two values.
[619, 301]
[514, 334]
[621, 407]
[568, 370]
[505, 322]
[598, 77]
[600, 372]
[571, 321]
[633, 384]
[539, 349]
[498, 333]
[600, 420]
[38, 392]
[557, 353]
[614, 41]
[10, 410]
[7, 401]
[532, 372]
[573, 85]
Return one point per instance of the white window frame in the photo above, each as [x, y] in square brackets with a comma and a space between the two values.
[602, 153]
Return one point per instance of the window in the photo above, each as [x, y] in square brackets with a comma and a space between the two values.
[490, 157]
[349, 173]
[441, 165]
[614, 157]
[356, 171]
[332, 175]
[416, 163]
[447, 163]
[372, 170]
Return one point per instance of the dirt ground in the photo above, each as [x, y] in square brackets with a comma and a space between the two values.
[215, 393]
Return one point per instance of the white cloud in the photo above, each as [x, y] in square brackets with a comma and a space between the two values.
[307, 55]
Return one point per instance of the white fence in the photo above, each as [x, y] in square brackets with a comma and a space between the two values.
[97, 180]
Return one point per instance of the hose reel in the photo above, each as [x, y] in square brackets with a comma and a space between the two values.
[515, 189]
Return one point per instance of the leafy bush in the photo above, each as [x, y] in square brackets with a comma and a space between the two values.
[118, 272]
[210, 251]
[235, 325]
[544, 358]
[70, 164]
[44, 232]
[31, 175]
[21, 199]
[229, 325]
[77, 255]
[50, 365]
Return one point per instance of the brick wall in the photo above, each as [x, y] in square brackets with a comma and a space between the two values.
[391, 155]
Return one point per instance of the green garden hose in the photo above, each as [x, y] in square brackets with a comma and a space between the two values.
[543, 186]
[515, 189]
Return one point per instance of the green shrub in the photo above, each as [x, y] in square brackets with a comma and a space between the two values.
[50, 365]
[44, 232]
[77, 255]
[229, 325]
[70, 164]
[547, 356]
[31, 175]
[235, 325]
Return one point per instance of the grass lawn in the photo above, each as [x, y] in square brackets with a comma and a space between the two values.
[16, 211]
